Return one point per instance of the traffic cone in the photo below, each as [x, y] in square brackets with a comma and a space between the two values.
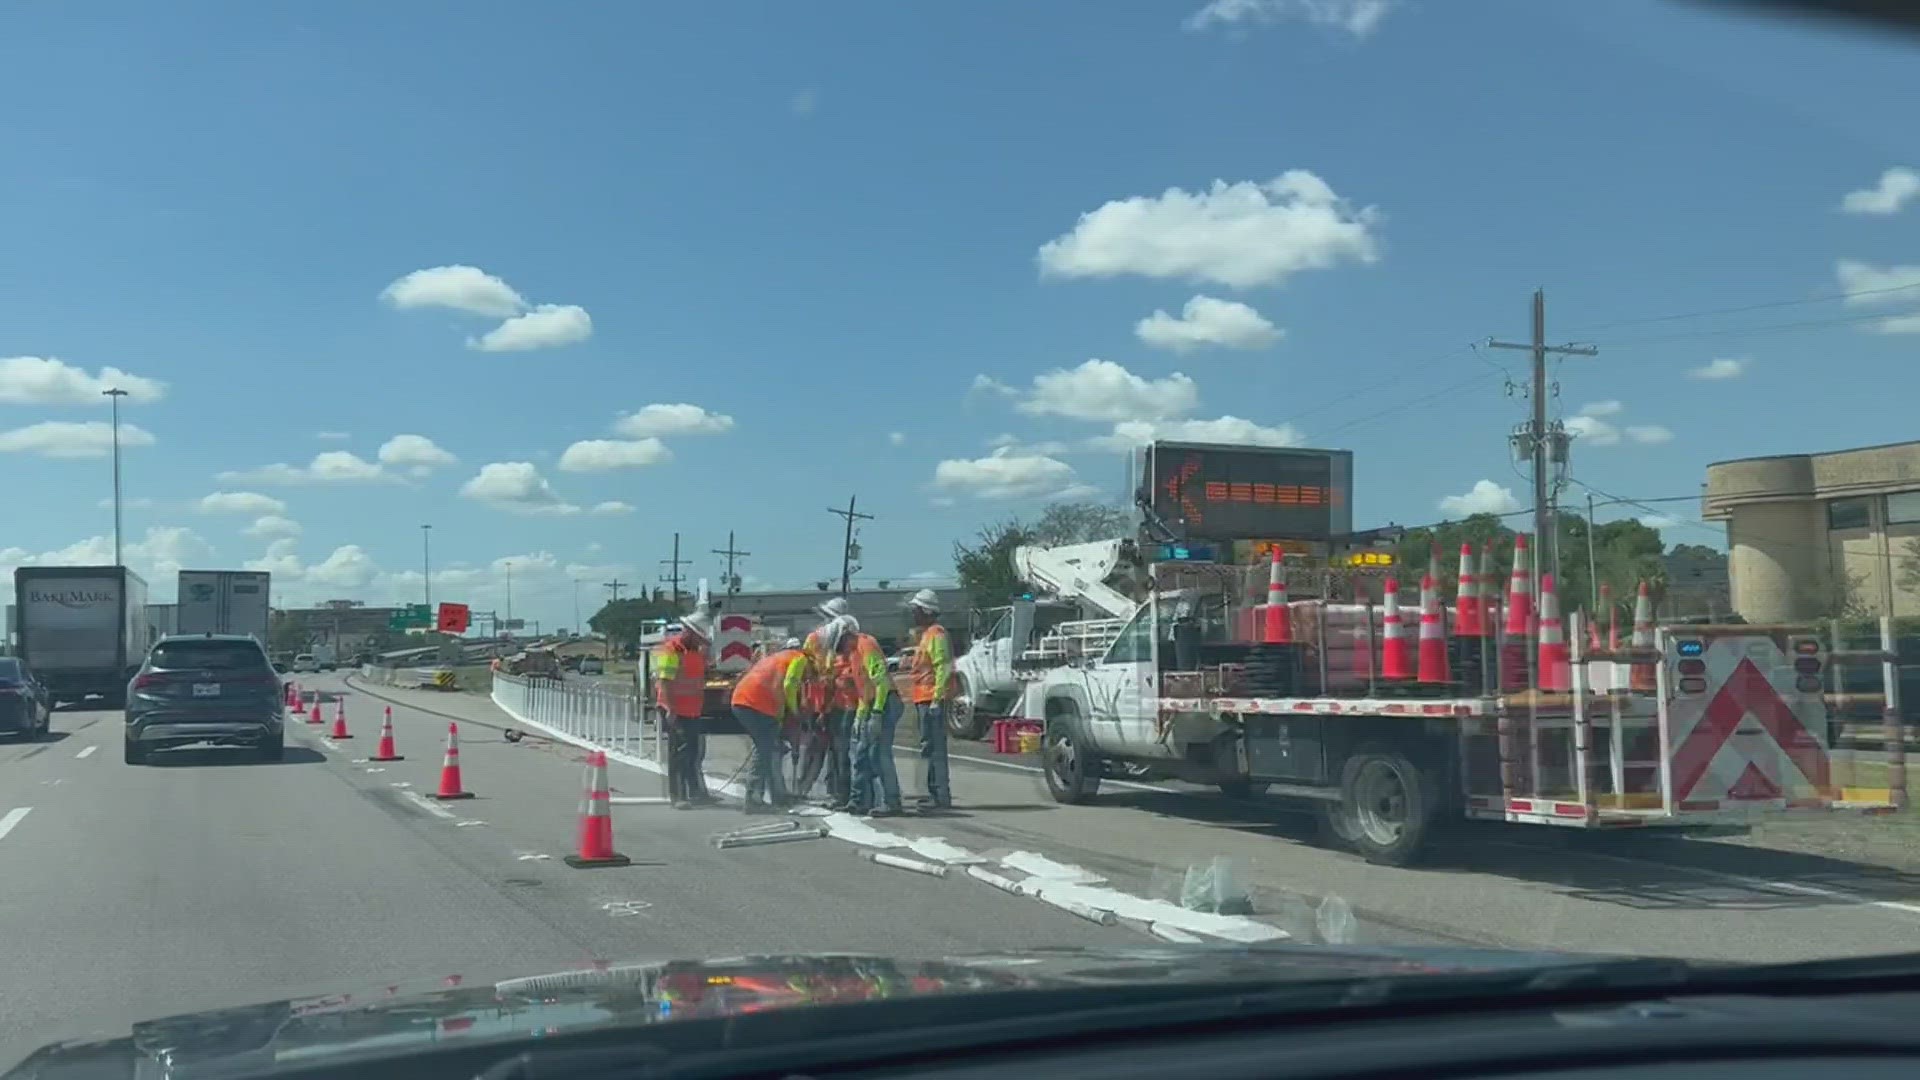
[1433, 636]
[1395, 662]
[450, 769]
[384, 751]
[1643, 675]
[314, 716]
[340, 722]
[596, 819]
[1513, 650]
[1468, 620]
[1613, 617]
[1279, 628]
[1554, 660]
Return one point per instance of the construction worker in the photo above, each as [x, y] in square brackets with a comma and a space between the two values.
[771, 691]
[876, 713]
[932, 691]
[831, 704]
[680, 677]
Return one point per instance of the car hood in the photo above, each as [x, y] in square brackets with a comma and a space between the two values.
[259, 1037]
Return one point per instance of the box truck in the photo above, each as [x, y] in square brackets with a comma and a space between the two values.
[83, 629]
[224, 602]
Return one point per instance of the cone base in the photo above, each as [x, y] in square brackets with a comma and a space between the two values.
[581, 862]
[455, 795]
[336, 738]
[390, 757]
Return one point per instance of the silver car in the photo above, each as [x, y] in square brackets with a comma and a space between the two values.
[212, 688]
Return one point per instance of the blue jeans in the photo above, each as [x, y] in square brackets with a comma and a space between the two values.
[933, 751]
[768, 776]
[875, 779]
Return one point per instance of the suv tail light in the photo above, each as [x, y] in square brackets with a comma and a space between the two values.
[150, 679]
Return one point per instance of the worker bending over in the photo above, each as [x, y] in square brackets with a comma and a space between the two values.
[832, 704]
[680, 678]
[932, 693]
[876, 713]
[771, 691]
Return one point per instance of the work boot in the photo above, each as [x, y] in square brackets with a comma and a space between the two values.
[682, 804]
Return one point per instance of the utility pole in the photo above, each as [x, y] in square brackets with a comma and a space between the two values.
[672, 576]
[732, 582]
[1544, 446]
[849, 551]
[615, 585]
[114, 395]
[578, 627]
[509, 597]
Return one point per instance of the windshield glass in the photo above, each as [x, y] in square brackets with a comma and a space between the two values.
[10, 669]
[1319, 473]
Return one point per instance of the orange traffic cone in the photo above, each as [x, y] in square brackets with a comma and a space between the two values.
[1433, 635]
[340, 722]
[1513, 651]
[596, 819]
[1554, 660]
[1468, 621]
[1395, 661]
[384, 751]
[314, 716]
[1643, 677]
[1279, 621]
[450, 769]
[1613, 617]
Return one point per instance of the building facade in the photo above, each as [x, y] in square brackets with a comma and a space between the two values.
[1809, 535]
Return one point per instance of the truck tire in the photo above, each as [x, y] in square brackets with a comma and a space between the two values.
[1073, 774]
[963, 720]
[1388, 805]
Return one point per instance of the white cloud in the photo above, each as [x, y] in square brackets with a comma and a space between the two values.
[327, 467]
[611, 508]
[241, 502]
[460, 288]
[71, 439]
[677, 419]
[139, 502]
[1897, 186]
[156, 555]
[1205, 320]
[1225, 429]
[333, 436]
[415, 453]
[40, 380]
[1357, 17]
[600, 455]
[1874, 285]
[1588, 427]
[1237, 234]
[1658, 521]
[516, 486]
[272, 527]
[1593, 431]
[1601, 408]
[1102, 390]
[804, 102]
[1722, 368]
[547, 326]
[1006, 473]
[1485, 497]
[1648, 434]
[897, 438]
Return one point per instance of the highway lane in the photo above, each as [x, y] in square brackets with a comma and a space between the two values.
[1512, 886]
[210, 879]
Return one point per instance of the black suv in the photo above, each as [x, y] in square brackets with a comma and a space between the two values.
[213, 688]
[25, 708]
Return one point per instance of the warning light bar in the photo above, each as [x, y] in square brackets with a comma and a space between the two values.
[1690, 648]
[1370, 558]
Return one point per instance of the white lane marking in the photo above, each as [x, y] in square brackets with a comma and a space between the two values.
[532, 856]
[465, 822]
[12, 818]
[638, 800]
[86, 751]
[621, 909]
[428, 805]
[1742, 879]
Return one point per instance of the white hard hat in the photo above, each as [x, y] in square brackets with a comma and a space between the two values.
[793, 643]
[926, 601]
[836, 633]
[700, 624]
[833, 608]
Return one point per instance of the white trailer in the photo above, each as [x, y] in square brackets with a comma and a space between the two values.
[225, 602]
[83, 629]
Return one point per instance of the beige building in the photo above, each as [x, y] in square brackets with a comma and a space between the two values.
[1806, 530]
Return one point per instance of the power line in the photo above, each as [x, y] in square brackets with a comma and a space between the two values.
[849, 550]
[731, 555]
[1769, 305]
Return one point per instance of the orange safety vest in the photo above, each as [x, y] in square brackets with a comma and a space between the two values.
[684, 691]
[923, 665]
[764, 687]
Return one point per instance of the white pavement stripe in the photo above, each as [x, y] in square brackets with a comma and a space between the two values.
[86, 751]
[12, 818]
[428, 805]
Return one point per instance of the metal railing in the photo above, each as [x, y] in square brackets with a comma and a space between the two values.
[595, 716]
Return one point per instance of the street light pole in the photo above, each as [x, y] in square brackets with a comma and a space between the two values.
[576, 605]
[509, 595]
[114, 394]
[426, 561]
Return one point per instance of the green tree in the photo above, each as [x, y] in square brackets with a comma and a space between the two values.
[1625, 552]
[1080, 522]
[621, 620]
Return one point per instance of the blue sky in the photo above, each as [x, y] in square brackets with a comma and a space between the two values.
[903, 250]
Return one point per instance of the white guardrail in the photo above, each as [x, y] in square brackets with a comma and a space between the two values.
[598, 717]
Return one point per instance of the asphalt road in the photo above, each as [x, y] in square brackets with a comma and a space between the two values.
[208, 879]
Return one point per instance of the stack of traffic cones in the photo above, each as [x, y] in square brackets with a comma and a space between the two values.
[450, 787]
[385, 751]
[1396, 660]
[1513, 650]
[1555, 662]
[1279, 620]
[1433, 636]
[340, 721]
[1643, 677]
[596, 819]
[1469, 626]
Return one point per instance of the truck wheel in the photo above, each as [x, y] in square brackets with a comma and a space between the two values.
[1387, 806]
[1073, 773]
[963, 720]
[1243, 789]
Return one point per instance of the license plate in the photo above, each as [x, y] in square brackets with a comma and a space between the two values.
[206, 689]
